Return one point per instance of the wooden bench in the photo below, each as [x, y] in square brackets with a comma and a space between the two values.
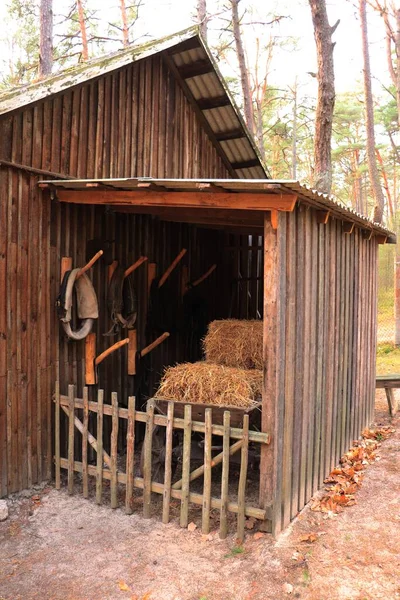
[389, 383]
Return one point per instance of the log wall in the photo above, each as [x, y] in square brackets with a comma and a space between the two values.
[132, 122]
[324, 356]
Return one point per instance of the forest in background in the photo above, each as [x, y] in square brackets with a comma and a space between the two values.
[343, 143]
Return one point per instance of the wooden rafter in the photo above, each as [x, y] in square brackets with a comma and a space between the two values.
[228, 201]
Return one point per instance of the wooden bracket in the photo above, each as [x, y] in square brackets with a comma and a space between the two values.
[151, 275]
[367, 234]
[323, 216]
[66, 265]
[381, 239]
[348, 227]
[132, 349]
[274, 219]
[172, 267]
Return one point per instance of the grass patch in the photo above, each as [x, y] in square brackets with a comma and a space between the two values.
[387, 359]
[234, 552]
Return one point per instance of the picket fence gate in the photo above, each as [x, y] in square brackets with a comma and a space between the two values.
[106, 467]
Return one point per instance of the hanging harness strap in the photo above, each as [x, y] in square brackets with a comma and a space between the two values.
[86, 299]
[122, 301]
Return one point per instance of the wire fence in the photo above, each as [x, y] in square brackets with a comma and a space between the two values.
[386, 294]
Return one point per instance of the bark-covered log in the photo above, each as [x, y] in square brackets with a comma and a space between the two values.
[369, 119]
[326, 96]
[46, 38]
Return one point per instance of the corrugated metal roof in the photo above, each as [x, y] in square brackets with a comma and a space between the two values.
[198, 74]
[305, 194]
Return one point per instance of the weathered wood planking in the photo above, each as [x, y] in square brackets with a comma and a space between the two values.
[327, 353]
[96, 129]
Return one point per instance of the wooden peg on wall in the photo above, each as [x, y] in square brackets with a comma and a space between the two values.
[203, 277]
[111, 269]
[172, 267]
[90, 264]
[154, 344]
[135, 265]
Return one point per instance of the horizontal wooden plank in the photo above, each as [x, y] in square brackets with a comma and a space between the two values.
[158, 488]
[254, 436]
[199, 67]
[232, 201]
[216, 102]
[388, 381]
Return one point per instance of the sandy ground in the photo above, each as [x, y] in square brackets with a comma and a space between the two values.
[57, 547]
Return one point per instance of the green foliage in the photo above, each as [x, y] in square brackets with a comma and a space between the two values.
[235, 551]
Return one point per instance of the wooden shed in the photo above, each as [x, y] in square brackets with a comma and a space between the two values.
[144, 154]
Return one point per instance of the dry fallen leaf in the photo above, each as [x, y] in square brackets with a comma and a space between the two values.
[287, 588]
[123, 587]
[311, 537]
[258, 536]
[250, 522]
[192, 526]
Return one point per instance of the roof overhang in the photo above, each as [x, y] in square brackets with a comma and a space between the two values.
[196, 72]
[216, 202]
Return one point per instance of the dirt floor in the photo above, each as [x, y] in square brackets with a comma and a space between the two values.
[57, 547]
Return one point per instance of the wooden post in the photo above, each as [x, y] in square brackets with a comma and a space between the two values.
[130, 455]
[187, 440]
[242, 479]
[99, 465]
[223, 527]
[148, 447]
[273, 387]
[168, 462]
[85, 442]
[71, 439]
[57, 437]
[205, 521]
[114, 451]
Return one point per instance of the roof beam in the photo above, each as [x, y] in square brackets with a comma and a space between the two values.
[199, 67]
[216, 102]
[246, 164]
[233, 134]
[189, 44]
[192, 100]
[202, 199]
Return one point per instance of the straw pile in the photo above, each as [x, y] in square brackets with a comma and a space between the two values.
[235, 343]
[207, 383]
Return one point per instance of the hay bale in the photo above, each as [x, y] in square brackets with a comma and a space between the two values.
[235, 343]
[207, 383]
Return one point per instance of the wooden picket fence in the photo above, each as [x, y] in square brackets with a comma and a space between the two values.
[106, 464]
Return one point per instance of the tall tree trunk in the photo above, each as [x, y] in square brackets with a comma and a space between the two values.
[369, 118]
[46, 38]
[244, 76]
[202, 17]
[82, 27]
[124, 19]
[294, 132]
[326, 96]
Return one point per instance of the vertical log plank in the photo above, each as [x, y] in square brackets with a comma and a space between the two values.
[114, 451]
[85, 442]
[244, 458]
[168, 463]
[223, 527]
[99, 464]
[130, 455]
[273, 398]
[187, 439]
[205, 519]
[57, 437]
[71, 434]
[148, 446]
